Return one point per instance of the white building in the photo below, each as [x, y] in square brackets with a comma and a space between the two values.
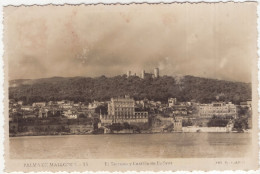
[172, 102]
[122, 110]
[27, 108]
[70, 114]
[60, 102]
[217, 109]
[39, 104]
[65, 106]
[20, 102]
[177, 124]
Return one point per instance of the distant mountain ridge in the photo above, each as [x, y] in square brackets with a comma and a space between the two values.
[18, 82]
[87, 89]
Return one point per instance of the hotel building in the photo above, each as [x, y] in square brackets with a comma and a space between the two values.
[122, 110]
[217, 109]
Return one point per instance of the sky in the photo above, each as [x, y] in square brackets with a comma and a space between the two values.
[213, 40]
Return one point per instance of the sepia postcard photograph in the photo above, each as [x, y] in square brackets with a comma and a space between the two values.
[131, 87]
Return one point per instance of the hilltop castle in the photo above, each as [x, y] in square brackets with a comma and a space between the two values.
[143, 74]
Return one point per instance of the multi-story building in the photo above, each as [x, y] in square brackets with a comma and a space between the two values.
[122, 110]
[121, 107]
[217, 109]
[177, 125]
[172, 102]
[180, 110]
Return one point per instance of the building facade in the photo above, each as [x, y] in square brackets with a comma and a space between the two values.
[122, 110]
[172, 102]
[27, 108]
[177, 125]
[217, 109]
[39, 104]
[121, 107]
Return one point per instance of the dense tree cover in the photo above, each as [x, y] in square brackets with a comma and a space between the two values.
[87, 89]
[218, 122]
[102, 109]
[241, 123]
[244, 111]
[121, 126]
[186, 123]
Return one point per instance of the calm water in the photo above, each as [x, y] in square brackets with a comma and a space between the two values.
[176, 145]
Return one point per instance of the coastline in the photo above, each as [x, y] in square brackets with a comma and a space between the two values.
[71, 134]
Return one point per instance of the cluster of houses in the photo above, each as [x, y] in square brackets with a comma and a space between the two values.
[122, 110]
[67, 109]
[52, 116]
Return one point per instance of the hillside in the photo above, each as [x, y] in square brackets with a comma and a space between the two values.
[87, 89]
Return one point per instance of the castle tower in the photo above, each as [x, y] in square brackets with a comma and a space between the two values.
[142, 74]
[128, 74]
[156, 72]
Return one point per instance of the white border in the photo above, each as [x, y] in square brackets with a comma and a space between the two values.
[44, 2]
[60, 2]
